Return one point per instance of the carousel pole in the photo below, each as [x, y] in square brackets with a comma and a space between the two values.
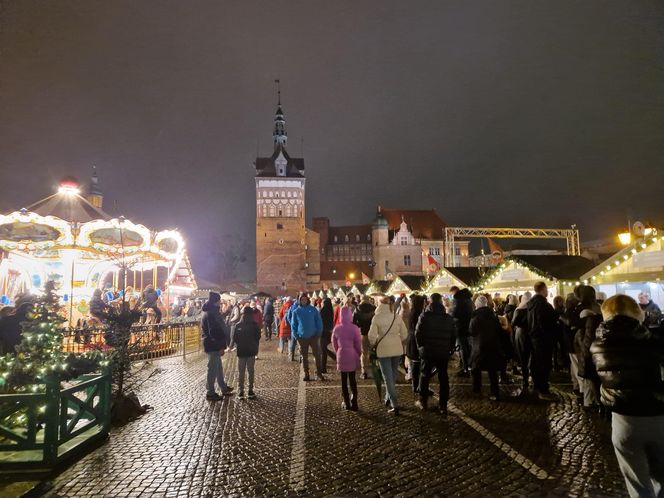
[71, 293]
[155, 269]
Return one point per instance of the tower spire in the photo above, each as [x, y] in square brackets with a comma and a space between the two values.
[279, 135]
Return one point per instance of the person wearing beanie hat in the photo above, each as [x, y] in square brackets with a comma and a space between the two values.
[247, 339]
[629, 358]
[486, 352]
[213, 329]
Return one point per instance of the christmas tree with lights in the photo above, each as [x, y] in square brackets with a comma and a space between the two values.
[40, 357]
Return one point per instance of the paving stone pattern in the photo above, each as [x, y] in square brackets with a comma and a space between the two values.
[188, 446]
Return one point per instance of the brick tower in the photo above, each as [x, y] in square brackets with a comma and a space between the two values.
[281, 265]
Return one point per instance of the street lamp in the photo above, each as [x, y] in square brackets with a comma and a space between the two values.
[625, 238]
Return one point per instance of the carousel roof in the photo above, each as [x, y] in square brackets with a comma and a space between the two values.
[72, 208]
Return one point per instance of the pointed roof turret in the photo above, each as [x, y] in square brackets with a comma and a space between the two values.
[94, 188]
[279, 135]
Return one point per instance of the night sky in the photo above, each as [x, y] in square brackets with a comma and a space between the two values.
[505, 113]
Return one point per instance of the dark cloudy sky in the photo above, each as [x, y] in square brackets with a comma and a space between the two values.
[499, 113]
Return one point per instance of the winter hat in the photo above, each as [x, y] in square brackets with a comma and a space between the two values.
[621, 304]
[481, 302]
[214, 297]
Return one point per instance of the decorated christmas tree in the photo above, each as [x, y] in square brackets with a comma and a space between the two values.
[39, 356]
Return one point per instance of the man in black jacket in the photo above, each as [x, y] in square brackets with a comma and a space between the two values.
[542, 323]
[213, 330]
[435, 336]
[362, 318]
[462, 312]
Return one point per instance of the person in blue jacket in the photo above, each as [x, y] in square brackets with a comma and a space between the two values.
[307, 327]
[292, 342]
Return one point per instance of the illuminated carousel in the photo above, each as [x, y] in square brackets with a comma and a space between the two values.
[69, 239]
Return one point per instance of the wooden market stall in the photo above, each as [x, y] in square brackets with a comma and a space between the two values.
[518, 274]
[637, 268]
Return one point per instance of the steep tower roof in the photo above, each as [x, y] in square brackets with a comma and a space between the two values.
[280, 163]
[93, 187]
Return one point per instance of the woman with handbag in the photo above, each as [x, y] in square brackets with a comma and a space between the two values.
[386, 335]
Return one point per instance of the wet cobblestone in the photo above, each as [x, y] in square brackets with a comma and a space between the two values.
[187, 446]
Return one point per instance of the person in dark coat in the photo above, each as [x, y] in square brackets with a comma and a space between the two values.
[652, 313]
[511, 305]
[11, 329]
[435, 335]
[462, 311]
[412, 351]
[98, 307]
[151, 301]
[213, 330]
[268, 318]
[247, 339]
[362, 318]
[542, 323]
[522, 344]
[590, 317]
[628, 358]
[327, 315]
[568, 332]
[486, 352]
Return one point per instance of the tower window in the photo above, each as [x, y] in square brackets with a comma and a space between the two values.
[280, 214]
[406, 260]
[404, 240]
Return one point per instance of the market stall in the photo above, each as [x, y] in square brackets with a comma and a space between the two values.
[455, 276]
[637, 268]
[518, 274]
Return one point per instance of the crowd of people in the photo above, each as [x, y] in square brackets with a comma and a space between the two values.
[612, 348]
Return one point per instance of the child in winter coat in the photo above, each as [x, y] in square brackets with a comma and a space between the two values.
[347, 343]
[247, 338]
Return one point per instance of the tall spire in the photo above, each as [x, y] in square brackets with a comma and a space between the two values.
[280, 136]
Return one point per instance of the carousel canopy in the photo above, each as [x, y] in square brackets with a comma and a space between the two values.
[67, 204]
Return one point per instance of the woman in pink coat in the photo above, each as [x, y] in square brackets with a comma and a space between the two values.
[347, 343]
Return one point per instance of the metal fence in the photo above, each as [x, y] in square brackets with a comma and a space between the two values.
[148, 341]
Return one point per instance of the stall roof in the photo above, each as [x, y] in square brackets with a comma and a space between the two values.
[468, 275]
[560, 267]
[381, 286]
[414, 282]
[621, 256]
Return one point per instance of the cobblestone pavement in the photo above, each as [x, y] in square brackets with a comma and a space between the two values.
[294, 440]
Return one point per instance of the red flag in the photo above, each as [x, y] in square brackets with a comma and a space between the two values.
[432, 264]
